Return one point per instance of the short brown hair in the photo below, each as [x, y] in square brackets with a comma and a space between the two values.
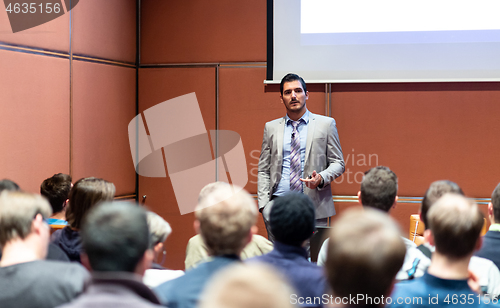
[86, 193]
[379, 188]
[226, 216]
[456, 224]
[434, 192]
[365, 252]
[56, 189]
[17, 211]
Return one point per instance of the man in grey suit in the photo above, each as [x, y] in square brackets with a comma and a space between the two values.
[300, 152]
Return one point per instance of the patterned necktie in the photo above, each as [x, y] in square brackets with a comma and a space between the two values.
[295, 169]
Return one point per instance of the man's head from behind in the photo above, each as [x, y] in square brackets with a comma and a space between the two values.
[379, 188]
[292, 219]
[455, 224]
[56, 190]
[159, 230]
[433, 193]
[22, 214]
[9, 185]
[115, 238]
[365, 252]
[225, 219]
[494, 206]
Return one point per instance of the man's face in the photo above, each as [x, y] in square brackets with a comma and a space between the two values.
[294, 98]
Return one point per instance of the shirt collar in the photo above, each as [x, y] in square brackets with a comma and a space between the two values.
[495, 227]
[304, 118]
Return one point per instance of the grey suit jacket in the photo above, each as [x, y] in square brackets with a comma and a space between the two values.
[323, 154]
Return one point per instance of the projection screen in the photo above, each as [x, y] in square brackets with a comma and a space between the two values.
[384, 40]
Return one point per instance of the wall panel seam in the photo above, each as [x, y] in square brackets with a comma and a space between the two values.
[63, 55]
[206, 64]
[70, 94]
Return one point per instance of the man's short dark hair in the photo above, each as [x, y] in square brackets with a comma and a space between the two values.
[292, 77]
[8, 185]
[292, 218]
[434, 192]
[56, 189]
[115, 236]
[495, 200]
[379, 188]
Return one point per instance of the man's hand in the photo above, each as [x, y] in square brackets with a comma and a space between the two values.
[313, 181]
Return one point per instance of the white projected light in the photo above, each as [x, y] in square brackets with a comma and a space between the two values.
[332, 16]
[387, 40]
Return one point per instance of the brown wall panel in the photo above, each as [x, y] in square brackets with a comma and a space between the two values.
[34, 95]
[103, 106]
[105, 29]
[156, 86]
[246, 104]
[52, 35]
[203, 31]
[424, 132]
[182, 231]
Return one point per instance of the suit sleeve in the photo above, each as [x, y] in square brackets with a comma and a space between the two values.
[334, 156]
[264, 171]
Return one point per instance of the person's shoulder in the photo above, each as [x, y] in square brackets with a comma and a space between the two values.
[265, 258]
[261, 243]
[195, 239]
[322, 119]
[275, 122]
[406, 288]
[68, 270]
[492, 235]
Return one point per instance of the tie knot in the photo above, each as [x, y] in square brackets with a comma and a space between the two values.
[295, 124]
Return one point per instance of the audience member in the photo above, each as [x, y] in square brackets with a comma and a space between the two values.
[292, 222]
[26, 280]
[365, 253]
[197, 251]
[226, 221]
[159, 230]
[56, 190]
[115, 239]
[54, 252]
[9, 185]
[486, 271]
[491, 240]
[247, 286]
[455, 225]
[379, 189]
[86, 193]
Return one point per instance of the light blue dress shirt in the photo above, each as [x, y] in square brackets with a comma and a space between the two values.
[284, 185]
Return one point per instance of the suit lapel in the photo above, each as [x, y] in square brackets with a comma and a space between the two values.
[280, 136]
[310, 134]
